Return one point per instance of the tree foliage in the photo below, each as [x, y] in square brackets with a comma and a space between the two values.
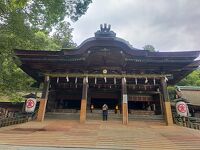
[149, 48]
[172, 92]
[35, 25]
[44, 14]
[192, 79]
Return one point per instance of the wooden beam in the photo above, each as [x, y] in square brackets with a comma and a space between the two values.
[124, 102]
[161, 103]
[157, 76]
[43, 100]
[84, 101]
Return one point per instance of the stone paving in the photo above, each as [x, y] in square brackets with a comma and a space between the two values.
[96, 134]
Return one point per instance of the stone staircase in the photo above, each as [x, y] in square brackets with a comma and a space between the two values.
[137, 135]
[62, 116]
[97, 115]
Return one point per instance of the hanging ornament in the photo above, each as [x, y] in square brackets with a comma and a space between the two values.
[95, 80]
[105, 71]
[86, 79]
[124, 79]
[136, 81]
[115, 81]
[105, 79]
[154, 81]
[76, 80]
[67, 78]
[166, 79]
[47, 78]
[57, 79]
[146, 81]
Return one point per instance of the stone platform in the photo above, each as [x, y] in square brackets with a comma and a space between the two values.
[96, 134]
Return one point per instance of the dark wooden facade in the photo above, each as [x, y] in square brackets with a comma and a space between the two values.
[107, 69]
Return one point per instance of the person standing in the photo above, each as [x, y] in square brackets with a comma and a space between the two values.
[105, 112]
[91, 108]
[116, 109]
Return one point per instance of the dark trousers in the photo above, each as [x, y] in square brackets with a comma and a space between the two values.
[105, 115]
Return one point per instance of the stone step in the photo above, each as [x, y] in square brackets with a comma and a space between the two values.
[140, 135]
[64, 116]
[98, 116]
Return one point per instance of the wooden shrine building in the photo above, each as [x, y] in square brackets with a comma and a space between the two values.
[107, 69]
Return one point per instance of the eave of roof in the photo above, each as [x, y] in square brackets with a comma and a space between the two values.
[195, 88]
[183, 61]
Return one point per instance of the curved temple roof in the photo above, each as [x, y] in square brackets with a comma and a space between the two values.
[105, 50]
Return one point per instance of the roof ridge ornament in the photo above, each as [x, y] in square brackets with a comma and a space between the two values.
[105, 28]
[105, 31]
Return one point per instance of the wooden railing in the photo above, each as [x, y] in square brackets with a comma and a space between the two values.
[17, 119]
[13, 120]
[190, 122]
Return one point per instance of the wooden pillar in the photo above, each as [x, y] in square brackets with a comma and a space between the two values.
[83, 110]
[167, 104]
[161, 103]
[43, 99]
[124, 102]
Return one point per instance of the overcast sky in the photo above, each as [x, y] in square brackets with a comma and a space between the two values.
[168, 25]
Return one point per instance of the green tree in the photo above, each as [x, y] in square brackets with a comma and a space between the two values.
[44, 14]
[192, 79]
[149, 48]
[172, 92]
[63, 36]
[27, 24]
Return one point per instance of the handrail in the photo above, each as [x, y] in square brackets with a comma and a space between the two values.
[190, 122]
[17, 119]
[13, 120]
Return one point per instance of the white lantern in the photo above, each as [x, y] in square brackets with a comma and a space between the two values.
[30, 105]
[182, 109]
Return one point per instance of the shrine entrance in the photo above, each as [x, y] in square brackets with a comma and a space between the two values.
[134, 105]
[109, 96]
[98, 97]
[98, 102]
[71, 104]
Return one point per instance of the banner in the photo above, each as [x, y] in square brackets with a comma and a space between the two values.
[30, 105]
[182, 108]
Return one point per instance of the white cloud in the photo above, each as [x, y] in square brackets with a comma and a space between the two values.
[167, 25]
